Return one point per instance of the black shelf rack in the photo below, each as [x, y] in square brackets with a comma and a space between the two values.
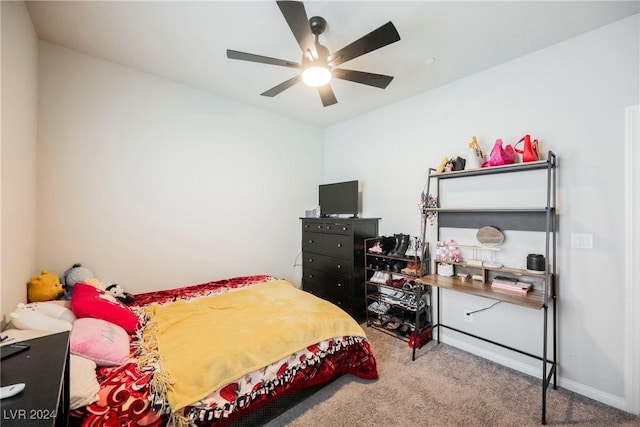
[539, 219]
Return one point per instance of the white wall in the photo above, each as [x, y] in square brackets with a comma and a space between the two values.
[18, 153]
[152, 184]
[572, 96]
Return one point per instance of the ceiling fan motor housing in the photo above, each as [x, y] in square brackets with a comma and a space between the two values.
[317, 24]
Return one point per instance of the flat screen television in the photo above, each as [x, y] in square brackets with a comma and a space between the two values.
[339, 198]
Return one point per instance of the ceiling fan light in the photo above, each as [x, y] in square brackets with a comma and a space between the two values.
[316, 76]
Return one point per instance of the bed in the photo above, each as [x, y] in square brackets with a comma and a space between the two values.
[219, 353]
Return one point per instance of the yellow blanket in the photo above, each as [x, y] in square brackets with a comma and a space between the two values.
[206, 343]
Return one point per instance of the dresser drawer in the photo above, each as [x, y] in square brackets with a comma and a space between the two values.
[327, 285]
[337, 228]
[327, 227]
[328, 264]
[338, 245]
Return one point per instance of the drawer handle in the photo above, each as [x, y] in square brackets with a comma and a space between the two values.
[310, 259]
[328, 227]
[339, 267]
[306, 226]
[311, 276]
[339, 245]
[344, 228]
[319, 226]
[339, 284]
[310, 241]
[339, 302]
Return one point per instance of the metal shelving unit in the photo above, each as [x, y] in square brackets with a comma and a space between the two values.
[542, 219]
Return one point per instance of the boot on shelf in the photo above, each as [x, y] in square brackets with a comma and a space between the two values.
[397, 239]
[388, 244]
[403, 245]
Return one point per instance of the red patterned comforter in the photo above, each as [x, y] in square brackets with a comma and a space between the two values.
[125, 400]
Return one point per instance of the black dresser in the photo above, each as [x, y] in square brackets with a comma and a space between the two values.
[333, 260]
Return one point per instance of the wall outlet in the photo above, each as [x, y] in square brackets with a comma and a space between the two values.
[467, 316]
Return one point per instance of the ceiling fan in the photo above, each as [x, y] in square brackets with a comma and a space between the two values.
[318, 66]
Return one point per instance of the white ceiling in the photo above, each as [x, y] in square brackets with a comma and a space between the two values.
[186, 42]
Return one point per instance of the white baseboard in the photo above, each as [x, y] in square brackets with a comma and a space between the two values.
[535, 371]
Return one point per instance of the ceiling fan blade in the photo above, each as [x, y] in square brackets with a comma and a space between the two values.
[371, 79]
[296, 16]
[376, 39]
[327, 96]
[243, 56]
[282, 86]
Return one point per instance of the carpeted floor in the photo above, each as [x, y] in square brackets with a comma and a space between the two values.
[444, 386]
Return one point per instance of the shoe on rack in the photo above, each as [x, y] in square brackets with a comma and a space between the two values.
[411, 268]
[398, 266]
[392, 326]
[376, 248]
[383, 308]
[411, 249]
[378, 277]
[374, 306]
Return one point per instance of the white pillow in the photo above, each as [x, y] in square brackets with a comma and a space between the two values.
[28, 319]
[56, 311]
[84, 385]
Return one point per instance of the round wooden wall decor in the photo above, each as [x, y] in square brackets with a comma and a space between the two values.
[490, 236]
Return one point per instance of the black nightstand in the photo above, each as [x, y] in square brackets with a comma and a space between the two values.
[44, 369]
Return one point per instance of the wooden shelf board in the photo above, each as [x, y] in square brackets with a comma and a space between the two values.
[534, 299]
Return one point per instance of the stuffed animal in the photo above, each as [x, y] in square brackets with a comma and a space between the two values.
[44, 287]
[42, 316]
[117, 291]
[76, 274]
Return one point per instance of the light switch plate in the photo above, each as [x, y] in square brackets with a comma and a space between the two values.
[582, 241]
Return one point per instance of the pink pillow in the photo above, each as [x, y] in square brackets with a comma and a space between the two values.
[88, 301]
[101, 341]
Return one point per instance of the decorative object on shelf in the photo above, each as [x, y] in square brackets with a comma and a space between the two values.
[535, 263]
[448, 252]
[445, 270]
[443, 165]
[475, 156]
[490, 237]
[428, 202]
[459, 164]
[530, 151]
[510, 284]
[500, 155]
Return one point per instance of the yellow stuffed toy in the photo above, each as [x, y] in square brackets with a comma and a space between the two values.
[44, 287]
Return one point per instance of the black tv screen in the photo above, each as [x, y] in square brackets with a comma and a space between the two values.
[338, 198]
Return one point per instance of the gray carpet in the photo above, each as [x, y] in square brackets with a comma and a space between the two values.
[444, 386]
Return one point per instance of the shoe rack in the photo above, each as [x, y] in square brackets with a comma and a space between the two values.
[396, 303]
